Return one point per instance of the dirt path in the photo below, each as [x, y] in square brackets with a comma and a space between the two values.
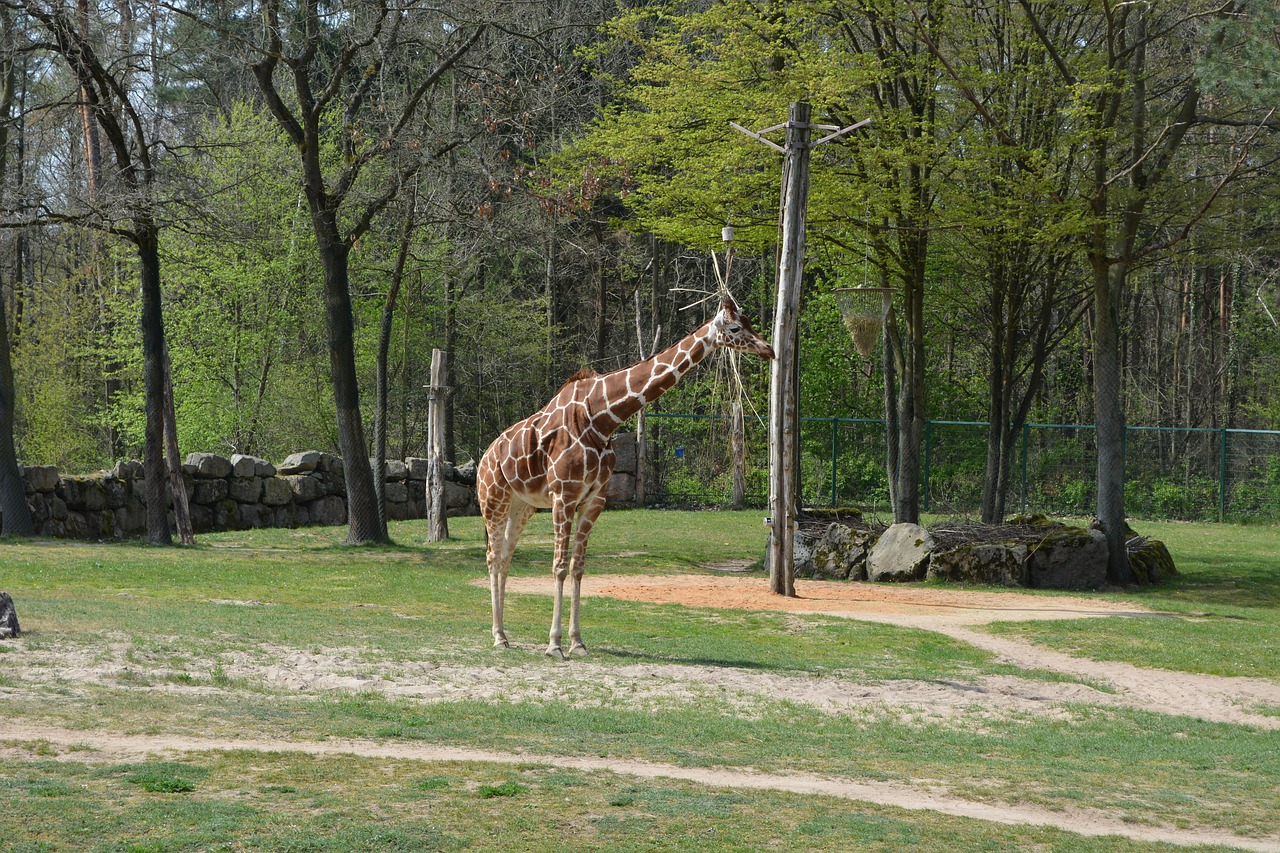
[110, 746]
[953, 613]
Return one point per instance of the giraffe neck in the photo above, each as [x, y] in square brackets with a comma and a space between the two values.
[626, 391]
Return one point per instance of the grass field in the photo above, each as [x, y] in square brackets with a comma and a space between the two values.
[287, 635]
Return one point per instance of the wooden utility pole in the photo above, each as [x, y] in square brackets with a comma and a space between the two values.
[438, 393]
[784, 404]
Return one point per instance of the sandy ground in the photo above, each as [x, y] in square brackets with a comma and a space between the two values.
[46, 666]
[953, 612]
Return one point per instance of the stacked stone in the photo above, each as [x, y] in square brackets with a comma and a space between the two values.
[108, 505]
[407, 489]
[621, 490]
[239, 493]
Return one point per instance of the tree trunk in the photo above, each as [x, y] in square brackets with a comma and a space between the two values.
[15, 515]
[911, 386]
[177, 484]
[382, 382]
[1110, 418]
[153, 348]
[363, 522]
[892, 434]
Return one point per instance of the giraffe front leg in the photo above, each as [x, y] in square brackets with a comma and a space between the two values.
[562, 517]
[497, 596]
[586, 521]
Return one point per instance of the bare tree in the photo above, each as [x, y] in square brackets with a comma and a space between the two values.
[130, 186]
[334, 67]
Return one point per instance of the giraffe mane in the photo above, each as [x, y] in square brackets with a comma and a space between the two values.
[584, 373]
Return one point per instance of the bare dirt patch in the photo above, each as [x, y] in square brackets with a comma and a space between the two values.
[955, 612]
[913, 606]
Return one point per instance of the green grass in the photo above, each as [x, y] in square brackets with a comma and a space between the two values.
[182, 616]
[274, 802]
[1227, 595]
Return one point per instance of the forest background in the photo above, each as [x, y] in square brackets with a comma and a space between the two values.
[1074, 201]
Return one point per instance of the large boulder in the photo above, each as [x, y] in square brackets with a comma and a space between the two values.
[210, 492]
[838, 552]
[244, 466]
[8, 617]
[416, 467]
[276, 492]
[43, 478]
[465, 473]
[245, 489]
[457, 496]
[329, 511]
[624, 448]
[1071, 558]
[209, 466]
[999, 563]
[621, 489]
[305, 487]
[900, 554]
[128, 469]
[84, 493]
[300, 463]
[1150, 559]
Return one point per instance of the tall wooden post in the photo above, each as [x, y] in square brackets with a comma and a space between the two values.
[437, 509]
[783, 405]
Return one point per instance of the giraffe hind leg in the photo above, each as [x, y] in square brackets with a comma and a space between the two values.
[503, 533]
[586, 521]
[563, 520]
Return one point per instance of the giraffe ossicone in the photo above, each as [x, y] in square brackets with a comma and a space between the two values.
[561, 458]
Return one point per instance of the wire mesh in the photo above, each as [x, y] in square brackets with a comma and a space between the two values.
[1170, 473]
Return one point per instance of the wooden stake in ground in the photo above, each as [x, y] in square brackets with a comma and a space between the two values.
[437, 510]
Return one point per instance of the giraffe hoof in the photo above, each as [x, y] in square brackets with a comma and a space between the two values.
[555, 652]
[580, 649]
[501, 643]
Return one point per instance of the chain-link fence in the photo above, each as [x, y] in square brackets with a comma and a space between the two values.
[1171, 473]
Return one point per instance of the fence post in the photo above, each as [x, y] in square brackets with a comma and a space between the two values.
[835, 453]
[1222, 477]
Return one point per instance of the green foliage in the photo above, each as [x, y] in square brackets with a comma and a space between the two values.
[246, 327]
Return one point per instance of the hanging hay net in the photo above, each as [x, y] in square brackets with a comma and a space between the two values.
[863, 310]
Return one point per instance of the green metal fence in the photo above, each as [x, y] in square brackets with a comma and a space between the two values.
[1170, 472]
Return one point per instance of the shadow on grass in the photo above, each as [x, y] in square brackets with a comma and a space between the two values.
[719, 662]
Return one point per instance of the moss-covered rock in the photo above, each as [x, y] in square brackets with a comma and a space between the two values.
[999, 563]
[1150, 559]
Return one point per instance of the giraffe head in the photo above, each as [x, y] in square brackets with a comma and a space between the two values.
[732, 329]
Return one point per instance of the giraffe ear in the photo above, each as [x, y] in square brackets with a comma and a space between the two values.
[730, 305]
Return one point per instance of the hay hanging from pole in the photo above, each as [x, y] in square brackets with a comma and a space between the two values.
[863, 310]
[865, 331]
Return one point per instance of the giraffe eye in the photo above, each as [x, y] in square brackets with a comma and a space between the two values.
[735, 328]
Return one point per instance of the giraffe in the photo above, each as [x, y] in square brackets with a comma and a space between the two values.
[561, 458]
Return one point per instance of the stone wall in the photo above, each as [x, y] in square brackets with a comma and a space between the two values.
[238, 493]
[243, 492]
